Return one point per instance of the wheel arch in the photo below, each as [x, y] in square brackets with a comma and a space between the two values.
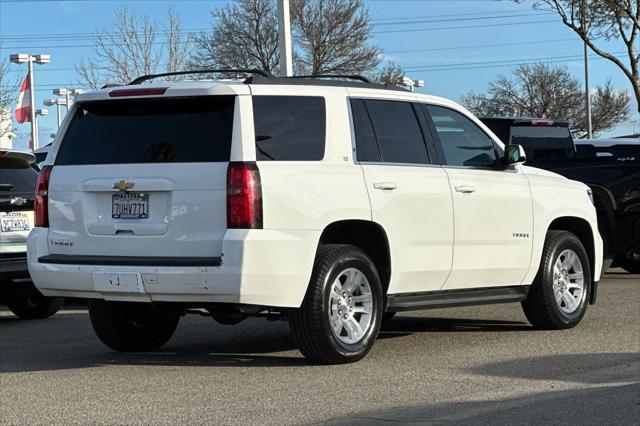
[582, 229]
[368, 236]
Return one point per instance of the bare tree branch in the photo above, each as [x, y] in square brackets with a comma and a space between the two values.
[592, 20]
[542, 91]
[132, 49]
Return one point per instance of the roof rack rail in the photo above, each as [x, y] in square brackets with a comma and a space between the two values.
[262, 73]
[336, 76]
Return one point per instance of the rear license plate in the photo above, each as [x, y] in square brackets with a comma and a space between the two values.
[14, 221]
[118, 282]
[130, 205]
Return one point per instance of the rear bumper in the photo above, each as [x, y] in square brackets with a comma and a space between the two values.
[258, 267]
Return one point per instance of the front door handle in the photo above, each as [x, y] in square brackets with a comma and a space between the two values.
[465, 189]
[385, 186]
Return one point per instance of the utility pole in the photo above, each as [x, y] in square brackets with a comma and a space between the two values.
[284, 28]
[583, 18]
[587, 91]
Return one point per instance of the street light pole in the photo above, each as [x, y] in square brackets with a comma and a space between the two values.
[284, 28]
[21, 58]
[32, 99]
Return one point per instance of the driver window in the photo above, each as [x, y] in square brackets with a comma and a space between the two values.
[463, 142]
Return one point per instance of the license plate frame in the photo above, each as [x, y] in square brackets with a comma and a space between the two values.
[118, 282]
[130, 205]
[8, 221]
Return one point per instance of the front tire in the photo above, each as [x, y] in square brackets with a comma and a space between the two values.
[559, 295]
[132, 327]
[341, 314]
[34, 306]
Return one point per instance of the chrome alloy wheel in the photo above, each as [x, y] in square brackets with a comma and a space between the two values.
[351, 310]
[568, 281]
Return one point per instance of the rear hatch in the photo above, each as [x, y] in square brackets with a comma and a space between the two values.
[17, 190]
[142, 177]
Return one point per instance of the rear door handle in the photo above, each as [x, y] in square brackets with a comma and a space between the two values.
[385, 186]
[465, 189]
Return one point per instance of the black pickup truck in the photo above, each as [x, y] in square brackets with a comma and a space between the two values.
[611, 168]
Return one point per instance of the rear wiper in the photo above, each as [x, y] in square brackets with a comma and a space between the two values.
[6, 187]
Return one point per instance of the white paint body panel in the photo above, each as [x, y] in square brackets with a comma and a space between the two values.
[438, 238]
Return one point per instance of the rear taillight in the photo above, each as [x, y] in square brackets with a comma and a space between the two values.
[244, 196]
[41, 205]
[542, 122]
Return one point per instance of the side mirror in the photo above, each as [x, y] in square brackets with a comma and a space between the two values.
[514, 154]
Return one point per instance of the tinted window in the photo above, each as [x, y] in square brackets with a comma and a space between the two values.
[16, 177]
[544, 142]
[289, 128]
[463, 143]
[366, 144]
[398, 132]
[196, 129]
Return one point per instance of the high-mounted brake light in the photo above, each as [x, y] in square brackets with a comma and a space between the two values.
[244, 196]
[41, 204]
[542, 122]
[137, 92]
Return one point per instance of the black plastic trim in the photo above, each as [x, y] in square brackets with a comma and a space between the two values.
[454, 298]
[63, 259]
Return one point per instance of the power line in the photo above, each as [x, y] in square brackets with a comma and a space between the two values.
[481, 46]
[464, 27]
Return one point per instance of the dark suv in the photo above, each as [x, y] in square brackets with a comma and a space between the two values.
[610, 168]
[17, 192]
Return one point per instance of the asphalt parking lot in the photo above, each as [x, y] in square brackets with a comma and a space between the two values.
[480, 365]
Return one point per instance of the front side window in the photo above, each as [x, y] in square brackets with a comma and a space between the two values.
[289, 128]
[463, 142]
[398, 132]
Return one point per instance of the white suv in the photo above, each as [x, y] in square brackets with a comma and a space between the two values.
[331, 203]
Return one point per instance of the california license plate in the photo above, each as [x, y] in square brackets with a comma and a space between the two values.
[118, 282]
[130, 205]
[14, 221]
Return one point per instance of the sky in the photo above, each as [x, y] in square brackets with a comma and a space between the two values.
[455, 46]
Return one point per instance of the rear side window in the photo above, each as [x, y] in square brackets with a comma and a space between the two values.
[289, 128]
[397, 131]
[366, 144]
[463, 142]
[168, 130]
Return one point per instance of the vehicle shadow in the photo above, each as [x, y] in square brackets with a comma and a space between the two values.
[409, 325]
[615, 404]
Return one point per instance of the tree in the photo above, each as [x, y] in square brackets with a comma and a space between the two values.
[245, 35]
[539, 90]
[593, 20]
[8, 95]
[135, 46]
[333, 36]
[329, 36]
[390, 73]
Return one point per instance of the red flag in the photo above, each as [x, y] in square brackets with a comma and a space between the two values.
[23, 107]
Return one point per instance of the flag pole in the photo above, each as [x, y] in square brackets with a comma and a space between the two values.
[32, 95]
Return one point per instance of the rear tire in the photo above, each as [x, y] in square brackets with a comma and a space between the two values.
[132, 327]
[341, 313]
[34, 306]
[559, 295]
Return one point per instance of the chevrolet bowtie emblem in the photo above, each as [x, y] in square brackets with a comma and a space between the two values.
[123, 185]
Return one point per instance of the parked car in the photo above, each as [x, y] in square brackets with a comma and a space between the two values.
[611, 168]
[17, 192]
[328, 202]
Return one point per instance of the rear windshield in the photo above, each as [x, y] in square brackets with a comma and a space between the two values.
[17, 178]
[544, 143]
[169, 130]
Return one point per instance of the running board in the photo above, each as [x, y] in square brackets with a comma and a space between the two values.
[454, 298]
